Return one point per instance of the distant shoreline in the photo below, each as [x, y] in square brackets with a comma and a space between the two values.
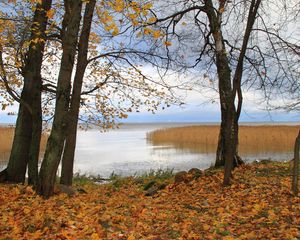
[174, 124]
[215, 123]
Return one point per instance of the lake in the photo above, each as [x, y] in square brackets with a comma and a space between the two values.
[126, 151]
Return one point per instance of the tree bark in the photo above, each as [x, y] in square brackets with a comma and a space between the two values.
[34, 151]
[70, 144]
[295, 178]
[220, 161]
[227, 150]
[220, 154]
[19, 156]
[56, 139]
[26, 142]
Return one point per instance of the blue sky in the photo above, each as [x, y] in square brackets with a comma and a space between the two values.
[195, 111]
[210, 113]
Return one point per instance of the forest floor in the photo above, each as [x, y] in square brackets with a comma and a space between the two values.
[258, 205]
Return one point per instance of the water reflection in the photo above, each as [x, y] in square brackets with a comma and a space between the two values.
[4, 156]
[126, 151]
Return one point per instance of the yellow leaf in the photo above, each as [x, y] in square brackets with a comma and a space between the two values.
[257, 207]
[206, 227]
[29, 190]
[119, 5]
[27, 210]
[132, 16]
[147, 31]
[271, 215]
[115, 31]
[220, 210]
[4, 106]
[228, 238]
[152, 20]
[36, 1]
[221, 10]
[50, 13]
[167, 43]
[131, 237]
[148, 5]
[156, 34]
[251, 235]
[95, 236]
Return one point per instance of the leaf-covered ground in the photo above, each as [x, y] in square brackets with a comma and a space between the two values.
[258, 205]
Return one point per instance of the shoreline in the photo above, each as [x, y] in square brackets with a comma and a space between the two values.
[260, 123]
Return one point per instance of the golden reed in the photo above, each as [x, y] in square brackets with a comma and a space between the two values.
[6, 139]
[204, 138]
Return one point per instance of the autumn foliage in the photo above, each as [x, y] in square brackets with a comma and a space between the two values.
[258, 205]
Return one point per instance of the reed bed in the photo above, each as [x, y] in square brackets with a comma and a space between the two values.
[204, 138]
[6, 139]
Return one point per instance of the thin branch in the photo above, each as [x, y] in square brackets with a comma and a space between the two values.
[10, 91]
[99, 85]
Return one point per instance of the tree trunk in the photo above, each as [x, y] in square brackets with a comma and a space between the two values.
[26, 142]
[56, 139]
[36, 136]
[227, 137]
[70, 144]
[295, 179]
[230, 146]
[227, 151]
[220, 154]
[19, 156]
[220, 161]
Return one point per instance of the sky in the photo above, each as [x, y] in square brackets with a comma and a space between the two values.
[197, 109]
[201, 106]
[201, 111]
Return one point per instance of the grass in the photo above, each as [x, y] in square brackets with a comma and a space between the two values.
[253, 139]
[160, 176]
[6, 139]
[145, 181]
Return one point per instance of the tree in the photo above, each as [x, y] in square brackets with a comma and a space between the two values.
[229, 112]
[70, 143]
[279, 74]
[27, 136]
[295, 176]
[55, 143]
[222, 49]
[208, 17]
[112, 74]
[260, 61]
[124, 77]
[116, 79]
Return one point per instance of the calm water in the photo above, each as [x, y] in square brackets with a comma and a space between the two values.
[125, 151]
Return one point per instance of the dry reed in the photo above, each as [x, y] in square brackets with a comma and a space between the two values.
[252, 139]
[6, 139]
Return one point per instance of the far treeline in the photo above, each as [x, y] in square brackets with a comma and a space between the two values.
[74, 60]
